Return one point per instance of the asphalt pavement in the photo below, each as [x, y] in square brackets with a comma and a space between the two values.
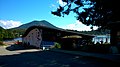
[115, 58]
[48, 58]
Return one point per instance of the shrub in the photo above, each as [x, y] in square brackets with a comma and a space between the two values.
[1, 43]
[57, 45]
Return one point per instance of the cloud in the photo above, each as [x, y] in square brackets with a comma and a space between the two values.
[62, 3]
[79, 26]
[53, 6]
[6, 24]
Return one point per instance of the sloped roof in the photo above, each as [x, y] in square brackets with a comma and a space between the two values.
[55, 29]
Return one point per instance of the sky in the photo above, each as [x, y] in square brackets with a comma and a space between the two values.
[14, 13]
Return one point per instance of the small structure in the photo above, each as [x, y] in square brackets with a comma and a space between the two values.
[101, 38]
[41, 36]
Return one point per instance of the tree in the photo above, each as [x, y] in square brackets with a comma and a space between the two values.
[98, 13]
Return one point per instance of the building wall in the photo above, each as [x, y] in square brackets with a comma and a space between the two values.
[33, 38]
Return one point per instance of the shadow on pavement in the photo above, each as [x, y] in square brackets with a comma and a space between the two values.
[50, 59]
[26, 59]
[16, 47]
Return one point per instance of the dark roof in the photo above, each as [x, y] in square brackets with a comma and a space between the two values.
[53, 29]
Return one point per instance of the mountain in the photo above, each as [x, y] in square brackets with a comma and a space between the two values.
[36, 23]
[1, 27]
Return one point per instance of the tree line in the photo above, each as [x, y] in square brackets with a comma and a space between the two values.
[10, 33]
[94, 32]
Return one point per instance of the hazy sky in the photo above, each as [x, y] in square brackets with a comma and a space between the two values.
[17, 12]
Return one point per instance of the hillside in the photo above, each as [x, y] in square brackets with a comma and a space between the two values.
[36, 23]
[94, 32]
[1, 27]
[19, 31]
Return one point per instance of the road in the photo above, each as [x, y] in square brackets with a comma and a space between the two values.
[38, 58]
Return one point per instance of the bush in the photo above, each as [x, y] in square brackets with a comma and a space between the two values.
[1, 43]
[57, 45]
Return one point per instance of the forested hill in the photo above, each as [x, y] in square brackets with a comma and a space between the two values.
[19, 31]
[10, 33]
[1, 27]
[94, 32]
[36, 23]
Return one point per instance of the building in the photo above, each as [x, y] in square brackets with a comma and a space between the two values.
[41, 36]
